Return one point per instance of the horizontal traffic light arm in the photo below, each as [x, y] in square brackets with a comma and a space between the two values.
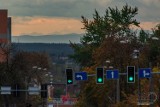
[90, 75]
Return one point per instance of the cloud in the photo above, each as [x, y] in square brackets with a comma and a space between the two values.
[148, 9]
[150, 2]
[58, 8]
[46, 25]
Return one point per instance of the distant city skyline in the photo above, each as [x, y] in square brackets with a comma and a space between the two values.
[43, 17]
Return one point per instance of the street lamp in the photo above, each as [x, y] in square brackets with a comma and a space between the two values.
[156, 39]
[122, 42]
[39, 68]
[110, 67]
[31, 79]
[135, 53]
[108, 61]
[136, 56]
[50, 77]
[34, 67]
[107, 64]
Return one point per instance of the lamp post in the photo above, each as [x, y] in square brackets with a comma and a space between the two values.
[40, 69]
[117, 95]
[48, 74]
[123, 44]
[29, 78]
[136, 56]
[36, 68]
[155, 40]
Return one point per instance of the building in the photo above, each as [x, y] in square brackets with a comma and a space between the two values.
[5, 34]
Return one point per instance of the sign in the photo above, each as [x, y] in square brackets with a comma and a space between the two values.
[81, 76]
[50, 105]
[112, 74]
[33, 90]
[5, 90]
[144, 73]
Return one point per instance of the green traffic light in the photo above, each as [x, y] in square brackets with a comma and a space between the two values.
[99, 80]
[69, 81]
[130, 78]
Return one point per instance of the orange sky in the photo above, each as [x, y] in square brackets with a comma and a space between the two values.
[47, 25]
[148, 25]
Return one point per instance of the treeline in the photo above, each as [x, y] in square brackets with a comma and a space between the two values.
[53, 49]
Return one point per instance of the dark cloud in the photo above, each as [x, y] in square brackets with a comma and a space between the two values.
[148, 9]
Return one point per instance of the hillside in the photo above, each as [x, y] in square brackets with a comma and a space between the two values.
[59, 52]
[75, 38]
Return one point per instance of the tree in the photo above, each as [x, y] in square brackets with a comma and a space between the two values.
[143, 36]
[17, 69]
[156, 31]
[102, 41]
[154, 44]
[115, 23]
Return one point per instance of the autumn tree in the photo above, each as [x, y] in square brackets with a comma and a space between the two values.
[17, 69]
[102, 41]
[154, 43]
[115, 23]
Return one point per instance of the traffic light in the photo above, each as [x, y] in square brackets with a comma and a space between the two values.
[44, 91]
[130, 74]
[16, 90]
[69, 74]
[99, 76]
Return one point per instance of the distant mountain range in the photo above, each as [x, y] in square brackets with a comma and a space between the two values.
[75, 38]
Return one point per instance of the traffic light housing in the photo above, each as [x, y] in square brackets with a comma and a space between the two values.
[16, 90]
[69, 73]
[100, 76]
[130, 74]
[44, 91]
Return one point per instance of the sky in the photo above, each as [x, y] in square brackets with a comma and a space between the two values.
[43, 17]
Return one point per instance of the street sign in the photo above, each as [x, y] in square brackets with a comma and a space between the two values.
[33, 90]
[5, 90]
[81, 76]
[144, 73]
[112, 74]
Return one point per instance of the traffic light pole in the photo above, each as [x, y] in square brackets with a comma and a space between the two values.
[139, 91]
[118, 91]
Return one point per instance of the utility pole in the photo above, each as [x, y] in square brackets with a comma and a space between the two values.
[151, 87]
[118, 91]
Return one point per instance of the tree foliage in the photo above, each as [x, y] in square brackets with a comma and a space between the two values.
[17, 69]
[120, 55]
[103, 40]
[154, 43]
[110, 37]
[115, 23]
